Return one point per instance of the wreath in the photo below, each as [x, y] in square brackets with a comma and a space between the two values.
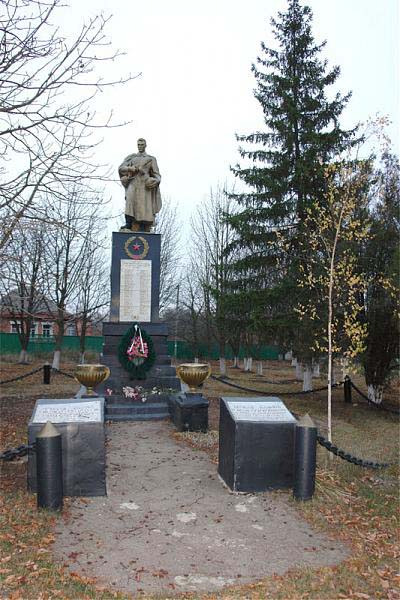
[136, 352]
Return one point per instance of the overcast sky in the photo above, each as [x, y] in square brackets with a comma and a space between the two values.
[196, 86]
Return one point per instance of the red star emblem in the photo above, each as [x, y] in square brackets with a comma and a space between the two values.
[136, 246]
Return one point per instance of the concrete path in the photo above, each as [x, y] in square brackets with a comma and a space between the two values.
[168, 524]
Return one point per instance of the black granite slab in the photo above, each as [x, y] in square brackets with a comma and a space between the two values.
[189, 411]
[83, 451]
[119, 252]
[255, 455]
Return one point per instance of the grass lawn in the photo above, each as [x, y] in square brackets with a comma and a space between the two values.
[357, 505]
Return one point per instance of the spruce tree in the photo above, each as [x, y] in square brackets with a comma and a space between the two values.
[382, 303]
[287, 159]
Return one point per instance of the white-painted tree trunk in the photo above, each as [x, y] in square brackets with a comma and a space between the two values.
[23, 357]
[196, 359]
[56, 359]
[345, 368]
[259, 367]
[294, 361]
[299, 371]
[222, 366]
[307, 378]
[235, 362]
[247, 364]
[316, 369]
[289, 355]
[82, 358]
[375, 393]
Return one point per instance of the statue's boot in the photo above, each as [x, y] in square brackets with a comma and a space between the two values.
[128, 223]
[145, 226]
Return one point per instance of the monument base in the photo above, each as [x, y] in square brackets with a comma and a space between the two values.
[81, 424]
[162, 375]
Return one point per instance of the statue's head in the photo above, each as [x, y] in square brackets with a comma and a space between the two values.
[141, 144]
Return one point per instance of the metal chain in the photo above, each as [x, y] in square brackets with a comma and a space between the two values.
[58, 372]
[22, 450]
[349, 457]
[21, 376]
[360, 462]
[263, 393]
[378, 406]
[276, 382]
[55, 371]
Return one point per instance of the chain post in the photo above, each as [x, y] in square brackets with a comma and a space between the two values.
[49, 468]
[347, 390]
[46, 374]
[305, 459]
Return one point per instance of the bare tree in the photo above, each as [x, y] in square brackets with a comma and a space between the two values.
[22, 289]
[169, 226]
[191, 316]
[45, 140]
[93, 286]
[69, 240]
[211, 236]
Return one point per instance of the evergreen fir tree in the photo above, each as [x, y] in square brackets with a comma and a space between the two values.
[302, 134]
[382, 303]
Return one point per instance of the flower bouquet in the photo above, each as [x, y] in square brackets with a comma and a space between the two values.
[138, 393]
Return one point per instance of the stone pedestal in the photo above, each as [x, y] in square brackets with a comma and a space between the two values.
[135, 292]
[256, 444]
[189, 411]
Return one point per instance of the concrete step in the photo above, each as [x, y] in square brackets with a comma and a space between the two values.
[155, 371]
[142, 408]
[116, 382]
[120, 379]
[111, 360]
[142, 417]
[151, 399]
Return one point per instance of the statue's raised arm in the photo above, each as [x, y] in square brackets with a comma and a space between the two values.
[141, 178]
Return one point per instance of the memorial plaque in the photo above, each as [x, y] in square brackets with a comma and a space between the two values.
[71, 412]
[81, 424]
[135, 291]
[256, 444]
[260, 411]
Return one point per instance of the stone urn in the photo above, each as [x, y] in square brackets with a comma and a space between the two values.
[90, 376]
[193, 374]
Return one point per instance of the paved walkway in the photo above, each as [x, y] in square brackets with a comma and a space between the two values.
[168, 524]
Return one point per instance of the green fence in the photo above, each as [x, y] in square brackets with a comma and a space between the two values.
[9, 343]
[184, 350]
